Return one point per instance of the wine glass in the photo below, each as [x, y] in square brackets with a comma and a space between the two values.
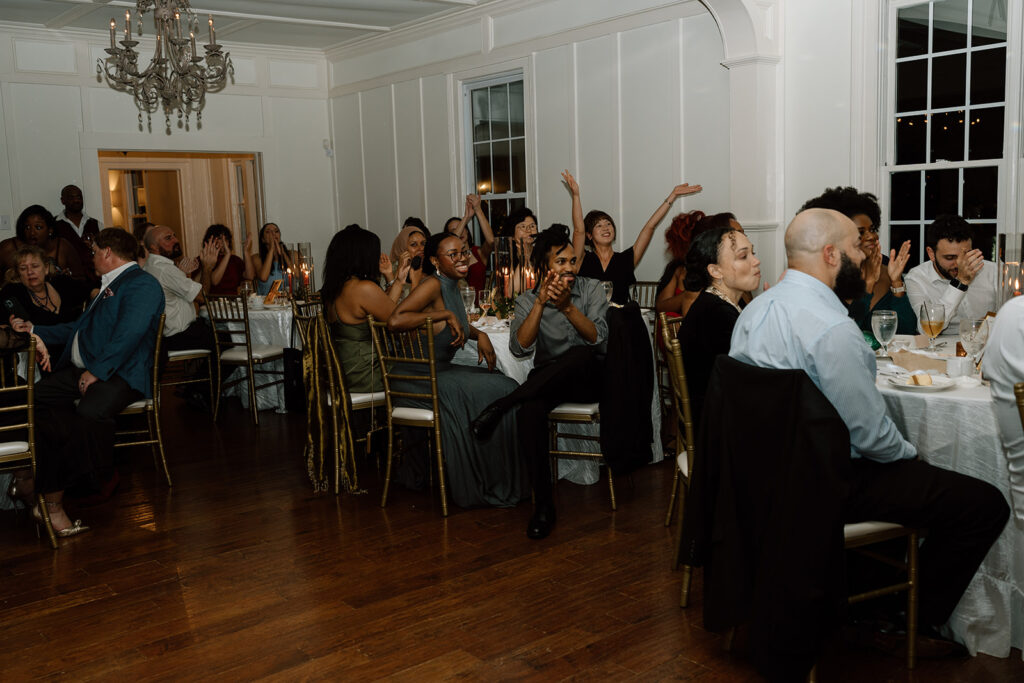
[932, 317]
[883, 325]
[468, 299]
[973, 335]
[609, 288]
[485, 301]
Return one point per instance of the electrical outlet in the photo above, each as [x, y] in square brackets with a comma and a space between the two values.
[5, 222]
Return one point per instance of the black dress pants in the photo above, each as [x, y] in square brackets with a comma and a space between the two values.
[575, 376]
[962, 517]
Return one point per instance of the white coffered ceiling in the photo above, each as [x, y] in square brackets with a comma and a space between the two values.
[319, 24]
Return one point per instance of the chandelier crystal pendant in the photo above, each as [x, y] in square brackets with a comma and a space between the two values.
[176, 79]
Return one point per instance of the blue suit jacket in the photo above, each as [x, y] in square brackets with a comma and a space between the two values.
[117, 332]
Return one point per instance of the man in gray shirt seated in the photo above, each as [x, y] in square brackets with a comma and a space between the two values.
[801, 323]
[562, 323]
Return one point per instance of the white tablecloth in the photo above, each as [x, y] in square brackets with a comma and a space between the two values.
[956, 429]
[269, 326]
[576, 471]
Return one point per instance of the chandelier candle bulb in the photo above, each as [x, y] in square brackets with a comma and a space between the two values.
[113, 27]
[213, 32]
[192, 38]
[177, 24]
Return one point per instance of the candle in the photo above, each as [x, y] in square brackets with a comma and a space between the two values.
[192, 37]
[159, 47]
[289, 272]
[305, 275]
[127, 24]
[113, 25]
[213, 33]
[177, 24]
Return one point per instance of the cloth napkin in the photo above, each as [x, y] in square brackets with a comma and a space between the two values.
[915, 361]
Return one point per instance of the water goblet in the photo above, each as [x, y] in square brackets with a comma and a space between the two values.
[973, 335]
[883, 325]
[932, 317]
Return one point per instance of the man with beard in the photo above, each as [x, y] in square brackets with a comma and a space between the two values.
[958, 276]
[801, 323]
[183, 329]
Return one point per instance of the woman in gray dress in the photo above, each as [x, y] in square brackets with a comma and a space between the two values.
[479, 472]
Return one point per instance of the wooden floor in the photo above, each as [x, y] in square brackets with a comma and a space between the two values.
[240, 572]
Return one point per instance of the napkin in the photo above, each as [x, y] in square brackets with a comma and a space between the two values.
[915, 361]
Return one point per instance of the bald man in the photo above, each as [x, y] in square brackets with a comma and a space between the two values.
[183, 329]
[801, 323]
[78, 227]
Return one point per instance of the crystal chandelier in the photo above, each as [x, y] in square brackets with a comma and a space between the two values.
[175, 80]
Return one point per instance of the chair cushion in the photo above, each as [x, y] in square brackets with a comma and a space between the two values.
[366, 399]
[683, 463]
[236, 354]
[171, 355]
[412, 414]
[141, 404]
[861, 529]
[13, 447]
[577, 408]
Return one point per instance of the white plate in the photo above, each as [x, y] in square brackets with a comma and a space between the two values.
[938, 384]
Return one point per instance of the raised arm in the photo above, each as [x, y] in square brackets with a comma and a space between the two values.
[250, 265]
[579, 234]
[647, 232]
[487, 247]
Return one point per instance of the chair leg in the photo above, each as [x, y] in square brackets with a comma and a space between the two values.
[440, 471]
[252, 396]
[155, 426]
[912, 600]
[684, 593]
[47, 524]
[214, 397]
[672, 496]
[387, 468]
[680, 509]
[611, 487]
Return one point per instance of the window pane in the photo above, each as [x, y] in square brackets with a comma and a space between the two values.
[948, 136]
[500, 163]
[482, 155]
[519, 165]
[988, 76]
[898, 234]
[948, 81]
[941, 192]
[515, 102]
[912, 85]
[905, 196]
[986, 133]
[910, 139]
[912, 31]
[481, 125]
[984, 238]
[981, 188]
[949, 25]
[989, 22]
[499, 111]
[496, 210]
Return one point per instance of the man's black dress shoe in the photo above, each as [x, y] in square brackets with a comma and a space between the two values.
[484, 424]
[541, 523]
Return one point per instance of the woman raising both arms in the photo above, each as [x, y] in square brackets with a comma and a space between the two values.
[598, 230]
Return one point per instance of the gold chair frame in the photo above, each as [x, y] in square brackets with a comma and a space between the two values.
[416, 347]
[564, 414]
[178, 377]
[10, 383]
[679, 404]
[150, 407]
[227, 309]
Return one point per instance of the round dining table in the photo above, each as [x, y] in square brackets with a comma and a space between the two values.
[956, 429]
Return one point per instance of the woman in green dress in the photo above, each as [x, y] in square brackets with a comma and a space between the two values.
[351, 293]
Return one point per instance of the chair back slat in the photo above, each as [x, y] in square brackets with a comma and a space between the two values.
[25, 402]
[303, 315]
[681, 399]
[644, 293]
[413, 347]
[1018, 391]
[229, 317]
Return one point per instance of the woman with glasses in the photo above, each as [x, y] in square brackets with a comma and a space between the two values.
[883, 275]
[480, 472]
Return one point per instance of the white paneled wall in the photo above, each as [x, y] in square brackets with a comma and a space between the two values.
[609, 101]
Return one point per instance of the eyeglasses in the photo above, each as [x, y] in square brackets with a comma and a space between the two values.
[453, 254]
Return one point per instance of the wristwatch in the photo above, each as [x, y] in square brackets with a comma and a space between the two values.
[898, 290]
[959, 285]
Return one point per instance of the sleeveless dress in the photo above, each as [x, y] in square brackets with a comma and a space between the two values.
[360, 365]
[479, 472]
[263, 286]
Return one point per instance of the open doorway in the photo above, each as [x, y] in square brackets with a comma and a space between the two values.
[187, 192]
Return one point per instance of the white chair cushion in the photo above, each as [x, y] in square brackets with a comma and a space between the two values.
[578, 408]
[366, 399]
[259, 352]
[171, 355]
[141, 404]
[683, 463]
[13, 447]
[860, 529]
[412, 414]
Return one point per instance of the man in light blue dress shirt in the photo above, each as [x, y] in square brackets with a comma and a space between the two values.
[801, 323]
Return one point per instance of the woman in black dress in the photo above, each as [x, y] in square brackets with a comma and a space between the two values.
[597, 230]
[721, 266]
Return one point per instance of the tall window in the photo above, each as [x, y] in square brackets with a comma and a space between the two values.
[946, 154]
[496, 145]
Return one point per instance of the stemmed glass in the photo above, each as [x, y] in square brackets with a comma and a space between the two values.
[973, 335]
[883, 325]
[485, 301]
[609, 287]
[468, 299]
[932, 317]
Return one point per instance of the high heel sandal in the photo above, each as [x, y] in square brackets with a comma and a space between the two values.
[76, 528]
[14, 494]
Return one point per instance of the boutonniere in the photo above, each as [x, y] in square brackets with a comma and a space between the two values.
[107, 293]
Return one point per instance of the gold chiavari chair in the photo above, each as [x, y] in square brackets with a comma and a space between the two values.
[19, 413]
[684, 456]
[230, 318]
[176, 371]
[150, 407]
[1018, 391]
[303, 313]
[400, 354]
[576, 413]
[644, 293]
[669, 328]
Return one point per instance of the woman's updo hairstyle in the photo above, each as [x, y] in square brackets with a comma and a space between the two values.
[430, 251]
[687, 226]
[703, 252]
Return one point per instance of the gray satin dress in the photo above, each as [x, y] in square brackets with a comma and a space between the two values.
[480, 473]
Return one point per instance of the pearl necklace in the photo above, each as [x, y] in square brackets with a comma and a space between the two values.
[711, 289]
